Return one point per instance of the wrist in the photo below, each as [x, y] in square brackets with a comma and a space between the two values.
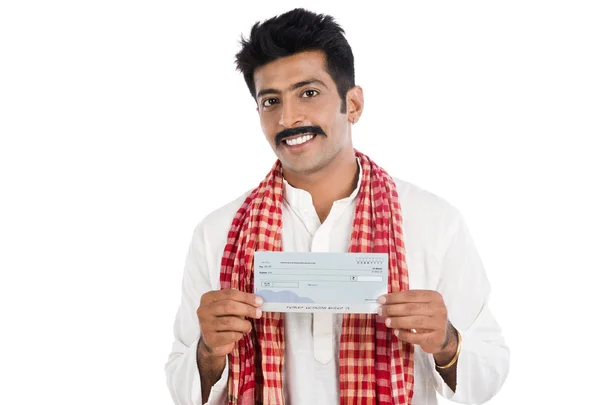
[205, 353]
[441, 362]
[449, 349]
[210, 367]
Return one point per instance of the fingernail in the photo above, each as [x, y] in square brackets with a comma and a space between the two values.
[382, 299]
[388, 322]
[258, 313]
[380, 311]
[397, 332]
[258, 300]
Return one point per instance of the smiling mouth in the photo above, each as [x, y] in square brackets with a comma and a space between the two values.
[298, 140]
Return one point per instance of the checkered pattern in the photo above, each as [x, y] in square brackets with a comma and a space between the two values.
[375, 367]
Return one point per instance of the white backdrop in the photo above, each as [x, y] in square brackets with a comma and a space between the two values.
[123, 123]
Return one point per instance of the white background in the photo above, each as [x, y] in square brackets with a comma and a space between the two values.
[124, 123]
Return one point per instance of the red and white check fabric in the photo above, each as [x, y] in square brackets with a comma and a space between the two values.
[375, 366]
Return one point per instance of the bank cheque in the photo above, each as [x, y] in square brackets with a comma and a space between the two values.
[320, 281]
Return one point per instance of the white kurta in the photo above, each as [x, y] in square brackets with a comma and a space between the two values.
[440, 256]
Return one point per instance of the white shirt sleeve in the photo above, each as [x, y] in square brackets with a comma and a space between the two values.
[183, 377]
[484, 360]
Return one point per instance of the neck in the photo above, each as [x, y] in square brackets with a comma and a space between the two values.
[332, 183]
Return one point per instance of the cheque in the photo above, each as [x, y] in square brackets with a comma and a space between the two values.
[320, 281]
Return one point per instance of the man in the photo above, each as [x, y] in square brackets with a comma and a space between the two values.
[434, 331]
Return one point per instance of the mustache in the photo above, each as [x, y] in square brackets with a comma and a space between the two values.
[286, 133]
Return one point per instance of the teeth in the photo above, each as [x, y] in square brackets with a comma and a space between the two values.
[300, 140]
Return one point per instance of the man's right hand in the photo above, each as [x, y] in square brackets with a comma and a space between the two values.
[222, 315]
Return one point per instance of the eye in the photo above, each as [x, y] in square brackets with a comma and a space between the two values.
[268, 102]
[310, 93]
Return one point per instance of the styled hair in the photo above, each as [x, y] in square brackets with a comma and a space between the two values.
[296, 31]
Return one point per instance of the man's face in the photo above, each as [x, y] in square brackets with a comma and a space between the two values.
[299, 108]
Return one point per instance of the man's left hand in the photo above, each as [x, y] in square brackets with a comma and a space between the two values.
[418, 317]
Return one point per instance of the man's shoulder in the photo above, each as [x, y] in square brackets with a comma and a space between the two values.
[219, 220]
[413, 194]
[420, 205]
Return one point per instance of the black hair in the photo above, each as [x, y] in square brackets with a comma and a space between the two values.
[296, 31]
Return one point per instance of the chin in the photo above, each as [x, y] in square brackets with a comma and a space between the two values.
[304, 167]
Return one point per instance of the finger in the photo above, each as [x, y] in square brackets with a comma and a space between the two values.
[400, 297]
[215, 340]
[233, 295]
[231, 324]
[408, 309]
[412, 322]
[426, 339]
[227, 308]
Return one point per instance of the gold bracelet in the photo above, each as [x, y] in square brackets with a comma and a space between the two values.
[455, 356]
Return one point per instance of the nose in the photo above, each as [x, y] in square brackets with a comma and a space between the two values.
[291, 115]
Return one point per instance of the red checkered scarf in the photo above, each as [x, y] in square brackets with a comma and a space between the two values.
[375, 367]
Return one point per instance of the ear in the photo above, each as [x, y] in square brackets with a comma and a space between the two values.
[354, 104]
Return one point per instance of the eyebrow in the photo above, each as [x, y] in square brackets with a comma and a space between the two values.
[292, 87]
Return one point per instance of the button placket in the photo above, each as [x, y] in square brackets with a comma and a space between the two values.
[322, 321]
